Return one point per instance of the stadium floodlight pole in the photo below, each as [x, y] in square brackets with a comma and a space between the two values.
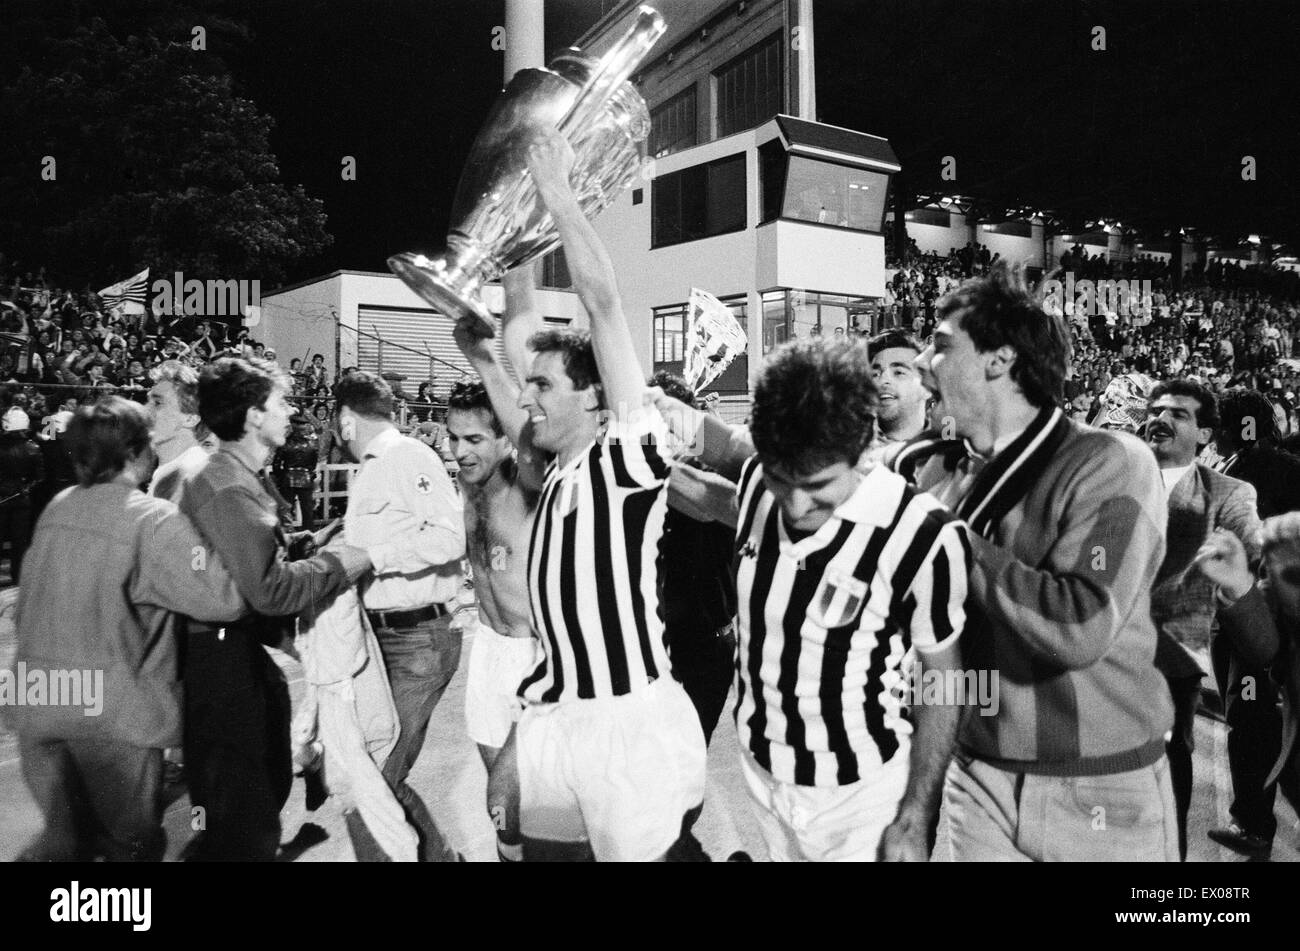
[525, 36]
[807, 73]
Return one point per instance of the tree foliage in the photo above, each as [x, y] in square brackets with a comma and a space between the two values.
[158, 162]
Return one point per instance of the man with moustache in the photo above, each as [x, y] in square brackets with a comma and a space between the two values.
[403, 511]
[901, 413]
[1181, 418]
[236, 725]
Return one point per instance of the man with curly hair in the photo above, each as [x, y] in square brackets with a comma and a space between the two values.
[843, 575]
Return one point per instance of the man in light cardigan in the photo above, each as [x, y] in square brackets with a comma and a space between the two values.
[1067, 535]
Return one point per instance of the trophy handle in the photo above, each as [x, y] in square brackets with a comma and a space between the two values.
[615, 69]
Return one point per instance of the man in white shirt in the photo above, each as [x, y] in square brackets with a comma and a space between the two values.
[404, 511]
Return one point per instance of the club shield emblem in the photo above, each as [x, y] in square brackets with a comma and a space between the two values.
[838, 601]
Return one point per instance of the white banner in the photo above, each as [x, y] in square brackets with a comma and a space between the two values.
[714, 338]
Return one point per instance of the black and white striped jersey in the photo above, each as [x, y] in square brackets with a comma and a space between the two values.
[827, 621]
[592, 568]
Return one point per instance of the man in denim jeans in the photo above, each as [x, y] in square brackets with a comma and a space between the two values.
[404, 511]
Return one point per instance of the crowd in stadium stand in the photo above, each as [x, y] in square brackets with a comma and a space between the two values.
[58, 344]
[61, 348]
[1230, 325]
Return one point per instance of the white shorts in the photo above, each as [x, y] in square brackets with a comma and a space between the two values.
[825, 823]
[497, 666]
[618, 772]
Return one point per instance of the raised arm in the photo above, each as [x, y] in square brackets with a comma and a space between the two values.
[521, 320]
[551, 161]
[501, 389]
[721, 447]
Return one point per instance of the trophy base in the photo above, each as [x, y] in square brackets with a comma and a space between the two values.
[431, 279]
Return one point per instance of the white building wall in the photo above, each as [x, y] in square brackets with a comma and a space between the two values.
[300, 322]
[760, 258]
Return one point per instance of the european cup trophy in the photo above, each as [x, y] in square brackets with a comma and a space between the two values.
[498, 221]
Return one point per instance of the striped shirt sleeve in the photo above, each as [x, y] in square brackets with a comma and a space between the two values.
[939, 591]
[639, 450]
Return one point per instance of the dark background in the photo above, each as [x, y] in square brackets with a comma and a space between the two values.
[1151, 131]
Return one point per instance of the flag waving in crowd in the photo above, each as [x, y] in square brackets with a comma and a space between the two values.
[127, 296]
[715, 339]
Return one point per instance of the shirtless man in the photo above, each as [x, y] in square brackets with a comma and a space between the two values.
[500, 489]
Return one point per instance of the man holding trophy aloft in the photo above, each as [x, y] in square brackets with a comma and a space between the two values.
[608, 757]
[609, 752]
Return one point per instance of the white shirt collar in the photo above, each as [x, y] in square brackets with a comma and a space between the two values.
[381, 443]
[1173, 476]
[874, 500]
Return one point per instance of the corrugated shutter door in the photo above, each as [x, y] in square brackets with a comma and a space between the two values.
[405, 334]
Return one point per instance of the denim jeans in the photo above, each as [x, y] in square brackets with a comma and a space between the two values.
[999, 816]
[421, 660]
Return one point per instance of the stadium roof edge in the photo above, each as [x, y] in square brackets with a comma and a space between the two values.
[325, 277]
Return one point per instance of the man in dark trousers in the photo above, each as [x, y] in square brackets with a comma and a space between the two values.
[1247, 440]
[236, 701]
[699, 596]
[295, 469]
[1182, 416]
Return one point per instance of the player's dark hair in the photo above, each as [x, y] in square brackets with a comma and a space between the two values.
[1207, 410]
[673, 385]
[230, 387]
[104, 437]
[366, 394]
[814, 405]
[891, 340]
[999, 310]
[575, 346]
[471, 395]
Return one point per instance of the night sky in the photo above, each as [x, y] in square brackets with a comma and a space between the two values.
[1151, 131]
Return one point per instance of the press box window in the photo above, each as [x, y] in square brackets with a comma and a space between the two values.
[698, 202]
[828, 193]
